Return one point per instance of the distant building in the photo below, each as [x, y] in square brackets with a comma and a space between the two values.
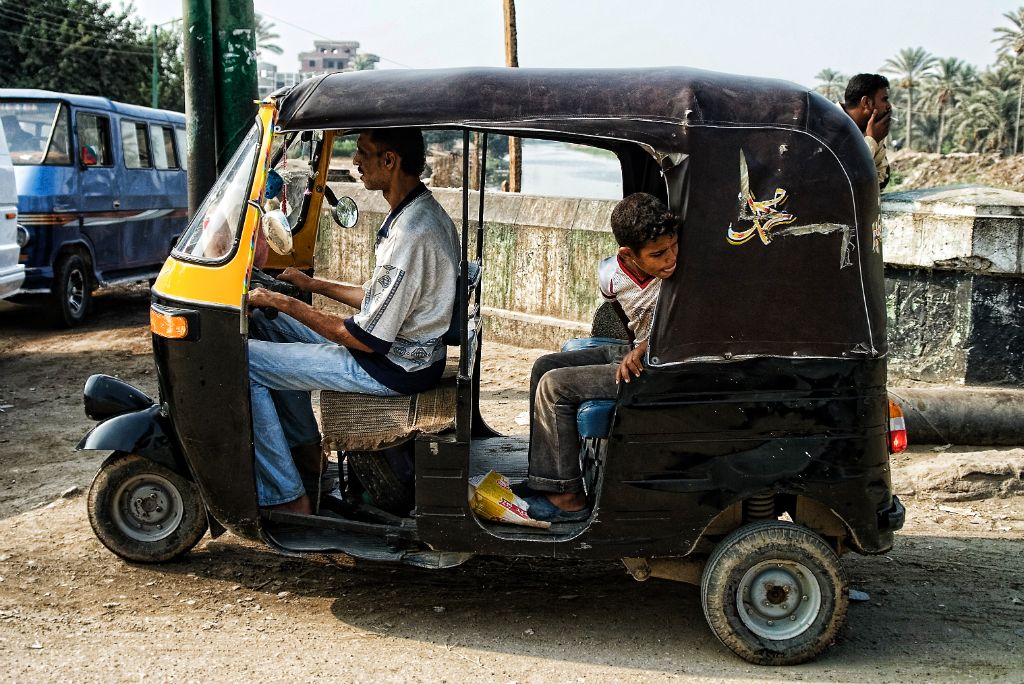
[326, 57]
[270, 79]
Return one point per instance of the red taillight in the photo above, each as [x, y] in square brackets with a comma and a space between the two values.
[897, 429]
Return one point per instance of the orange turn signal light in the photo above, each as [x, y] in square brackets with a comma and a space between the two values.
[897, 429]
[168, 325]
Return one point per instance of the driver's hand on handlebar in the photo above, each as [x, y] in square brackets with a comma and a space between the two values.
[260, 298]
[296, 277]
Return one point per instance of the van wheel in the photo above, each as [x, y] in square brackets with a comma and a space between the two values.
[774, 593]
[143, 511]
[71, 292]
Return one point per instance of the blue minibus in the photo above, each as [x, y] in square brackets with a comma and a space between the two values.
[101, 192]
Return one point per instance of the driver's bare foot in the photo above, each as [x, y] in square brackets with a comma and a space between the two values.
[568, 501]
[301, 505]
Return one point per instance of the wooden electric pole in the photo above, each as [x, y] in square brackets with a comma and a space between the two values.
[515, 145]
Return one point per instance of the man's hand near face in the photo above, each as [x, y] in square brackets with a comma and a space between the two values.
[878, 125]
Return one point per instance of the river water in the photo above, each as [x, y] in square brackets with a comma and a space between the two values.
[557, 169]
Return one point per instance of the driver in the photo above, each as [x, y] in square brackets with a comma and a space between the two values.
[391, 346]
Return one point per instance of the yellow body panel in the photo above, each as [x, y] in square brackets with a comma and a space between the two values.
[224, 284]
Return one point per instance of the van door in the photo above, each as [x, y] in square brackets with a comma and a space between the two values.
[99, 188]
[142, 197]
[168, 166]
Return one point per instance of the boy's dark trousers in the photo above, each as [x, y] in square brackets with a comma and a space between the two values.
[559, 384]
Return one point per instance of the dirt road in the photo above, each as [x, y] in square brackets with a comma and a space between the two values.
[946, 605]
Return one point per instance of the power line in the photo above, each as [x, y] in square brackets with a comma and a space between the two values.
[69, 46]
[15, 13]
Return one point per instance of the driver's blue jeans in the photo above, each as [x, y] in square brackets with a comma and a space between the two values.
[287, 361]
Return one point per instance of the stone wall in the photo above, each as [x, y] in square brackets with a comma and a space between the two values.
[954, 279]
[955, 285]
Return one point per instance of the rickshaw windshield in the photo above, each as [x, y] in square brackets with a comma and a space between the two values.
[214, 229]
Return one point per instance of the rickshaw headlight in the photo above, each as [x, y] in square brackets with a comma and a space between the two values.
[167, 324]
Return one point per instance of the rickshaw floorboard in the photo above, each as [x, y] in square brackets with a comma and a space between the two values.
[506, 455]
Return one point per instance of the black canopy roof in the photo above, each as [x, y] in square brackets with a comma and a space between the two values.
[542, 99]
[780, 247]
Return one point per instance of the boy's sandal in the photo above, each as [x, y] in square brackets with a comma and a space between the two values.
[542, 509]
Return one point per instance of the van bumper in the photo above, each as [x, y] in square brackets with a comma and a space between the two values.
[11, 279]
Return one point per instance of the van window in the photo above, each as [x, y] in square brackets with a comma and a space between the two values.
[94, 139]
[37, 132]
[179, 137]
[162, 143]
[135, 145]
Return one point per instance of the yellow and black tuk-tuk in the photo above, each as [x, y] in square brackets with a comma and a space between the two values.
[751, 453]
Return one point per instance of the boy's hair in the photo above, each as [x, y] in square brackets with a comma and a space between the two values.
[407, 143]
[639, 219]
[863, 85]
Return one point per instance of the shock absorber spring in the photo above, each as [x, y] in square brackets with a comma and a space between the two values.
[759, 507]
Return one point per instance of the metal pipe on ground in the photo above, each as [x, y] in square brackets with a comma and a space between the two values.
[962, 415]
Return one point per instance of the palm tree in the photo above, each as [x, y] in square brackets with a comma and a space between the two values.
[911, 65]
[944, 88]
[831, 84]
[982, 121]
[1011, 46]
[265, 36]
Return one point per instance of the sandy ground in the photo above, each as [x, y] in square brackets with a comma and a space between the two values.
[946, 605]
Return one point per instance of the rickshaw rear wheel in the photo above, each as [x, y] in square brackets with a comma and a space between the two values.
[143, 511]
[774, 593]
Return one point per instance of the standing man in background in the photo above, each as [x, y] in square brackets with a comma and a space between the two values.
[867, 102]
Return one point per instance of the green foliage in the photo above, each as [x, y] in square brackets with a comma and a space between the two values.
[89, 48]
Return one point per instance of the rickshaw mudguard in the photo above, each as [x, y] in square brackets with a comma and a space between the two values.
[146, 433]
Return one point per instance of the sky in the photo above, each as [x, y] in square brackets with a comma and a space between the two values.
[788, 39]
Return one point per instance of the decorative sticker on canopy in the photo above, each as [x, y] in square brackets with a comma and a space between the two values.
[765, 218]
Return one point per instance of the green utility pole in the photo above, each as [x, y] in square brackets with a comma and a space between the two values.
[234, 23]
[155, 99]
[220, 86]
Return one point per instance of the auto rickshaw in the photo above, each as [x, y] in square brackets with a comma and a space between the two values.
[751, 453]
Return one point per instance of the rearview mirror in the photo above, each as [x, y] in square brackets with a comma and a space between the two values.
[345, 213]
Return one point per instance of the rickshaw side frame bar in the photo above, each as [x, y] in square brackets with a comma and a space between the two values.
[464, 412]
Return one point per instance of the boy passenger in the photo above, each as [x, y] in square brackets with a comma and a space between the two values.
[648, 247]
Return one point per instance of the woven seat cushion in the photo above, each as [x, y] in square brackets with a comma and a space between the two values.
[362, 422]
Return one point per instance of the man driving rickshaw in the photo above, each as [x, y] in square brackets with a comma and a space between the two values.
[391, 346]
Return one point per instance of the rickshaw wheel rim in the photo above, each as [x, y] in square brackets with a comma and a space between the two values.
[147, 508]
[778, 599]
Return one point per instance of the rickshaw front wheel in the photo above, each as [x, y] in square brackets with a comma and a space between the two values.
[774, 593]
[143, 511]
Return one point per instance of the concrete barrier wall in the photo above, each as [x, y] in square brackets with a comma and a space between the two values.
[955, 285]
[540, 277]
[954, 279]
